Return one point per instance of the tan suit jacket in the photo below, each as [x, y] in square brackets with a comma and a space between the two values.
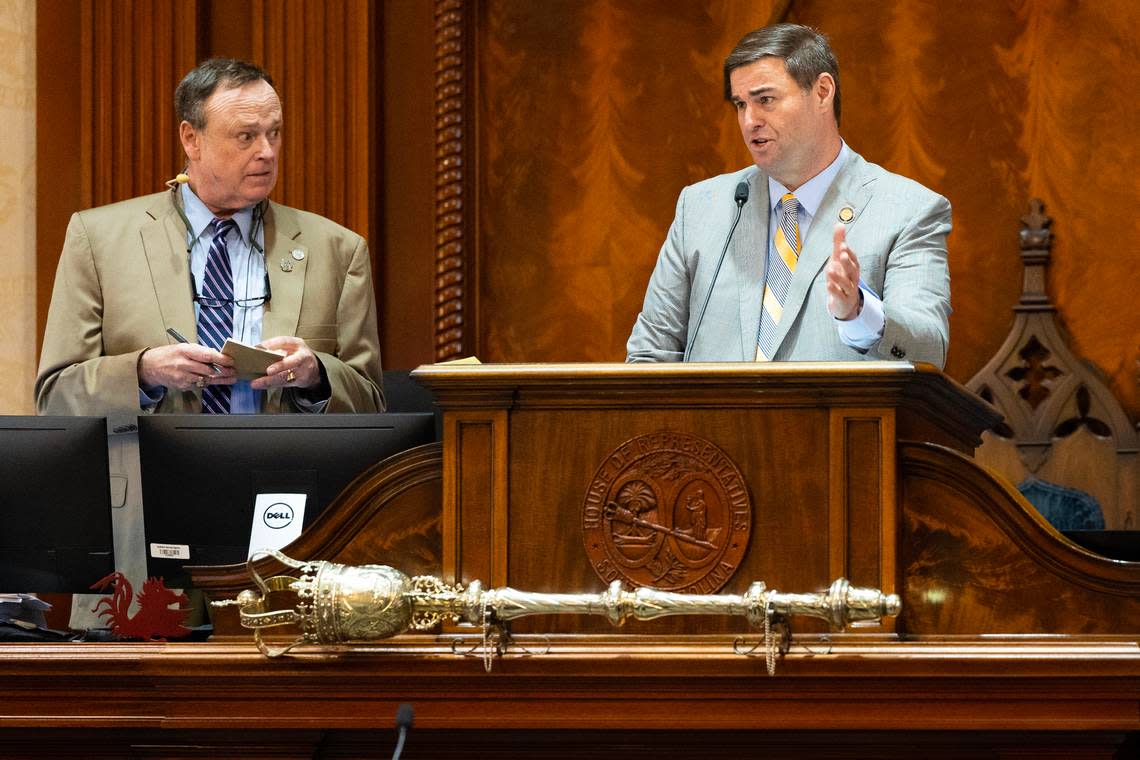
[123, 279]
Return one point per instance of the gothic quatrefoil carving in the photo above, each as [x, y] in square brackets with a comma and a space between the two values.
[1034, 374]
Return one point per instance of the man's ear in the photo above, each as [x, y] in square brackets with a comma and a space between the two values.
[824, 90]
[191, 139]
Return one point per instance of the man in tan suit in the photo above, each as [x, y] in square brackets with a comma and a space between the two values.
[136, 276]
[131, 271]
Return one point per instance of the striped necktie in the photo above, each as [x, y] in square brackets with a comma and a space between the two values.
[781, 266]
[216, 310]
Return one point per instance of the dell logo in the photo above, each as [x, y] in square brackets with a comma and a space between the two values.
[278, 516]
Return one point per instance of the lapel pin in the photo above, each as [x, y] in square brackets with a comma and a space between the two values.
[298, 254]
[286, 265]
[846, 214]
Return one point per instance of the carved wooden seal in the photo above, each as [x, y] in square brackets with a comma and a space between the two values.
[667, 510]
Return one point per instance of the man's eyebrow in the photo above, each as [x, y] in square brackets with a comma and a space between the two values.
[764, 88]
[254, 124]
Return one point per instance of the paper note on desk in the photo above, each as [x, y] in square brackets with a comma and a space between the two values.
[249, 361]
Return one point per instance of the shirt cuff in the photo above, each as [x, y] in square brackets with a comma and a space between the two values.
[865, 330]
[310, 407]
[303, 399]
[148, 400]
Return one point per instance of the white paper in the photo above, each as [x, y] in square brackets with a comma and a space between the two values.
[277, 520]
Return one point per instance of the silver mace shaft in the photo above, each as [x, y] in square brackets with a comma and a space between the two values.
[841, 605]
[341, 603]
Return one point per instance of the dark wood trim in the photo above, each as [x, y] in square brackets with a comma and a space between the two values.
[456, 280]
[846, 683]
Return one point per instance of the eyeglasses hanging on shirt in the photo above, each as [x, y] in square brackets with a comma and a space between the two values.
[241, 303]
[217, 303]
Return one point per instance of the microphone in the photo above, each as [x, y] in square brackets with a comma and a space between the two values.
[404, 720]
[741, 197]
[179, 179]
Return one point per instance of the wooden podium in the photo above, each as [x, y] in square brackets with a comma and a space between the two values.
[694, 478]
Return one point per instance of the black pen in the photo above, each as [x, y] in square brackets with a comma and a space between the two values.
[182, 339]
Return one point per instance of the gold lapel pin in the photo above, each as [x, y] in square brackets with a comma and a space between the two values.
[846, 214]
[286, 265]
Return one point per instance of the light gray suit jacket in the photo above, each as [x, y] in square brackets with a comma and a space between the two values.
[124, 277]
[898, 232]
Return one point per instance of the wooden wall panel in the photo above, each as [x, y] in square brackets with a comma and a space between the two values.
[132, 56]
[320, 56]
[592, 116]
[406, 272]
[105, 122]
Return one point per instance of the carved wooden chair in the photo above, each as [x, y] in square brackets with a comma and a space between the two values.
[1066, 440]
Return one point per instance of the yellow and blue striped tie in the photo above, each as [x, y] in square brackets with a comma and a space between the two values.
[781, 267]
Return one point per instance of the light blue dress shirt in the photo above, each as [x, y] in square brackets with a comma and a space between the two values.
[245, 245]
[863, 331]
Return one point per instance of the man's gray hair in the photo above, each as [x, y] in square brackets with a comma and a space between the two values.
[196, 87]
[805, 52]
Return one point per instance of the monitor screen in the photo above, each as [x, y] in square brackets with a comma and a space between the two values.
[55, 504]
[1114, 544]
[201, 475]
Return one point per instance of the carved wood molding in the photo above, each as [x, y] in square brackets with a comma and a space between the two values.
[454, 331]
[1046, 685]
[1047, 392]
[1035, 377]
[1020, 524]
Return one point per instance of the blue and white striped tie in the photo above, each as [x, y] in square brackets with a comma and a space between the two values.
[216, 310]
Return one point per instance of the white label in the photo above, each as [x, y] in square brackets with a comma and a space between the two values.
[170, 551]
[277, 520]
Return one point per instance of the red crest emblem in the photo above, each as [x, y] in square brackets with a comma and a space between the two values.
[160, 615]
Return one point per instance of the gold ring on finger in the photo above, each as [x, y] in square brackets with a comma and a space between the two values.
[290, 376]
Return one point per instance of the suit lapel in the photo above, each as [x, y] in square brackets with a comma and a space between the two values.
[164, 243]
[286, 260]
[851, 189]
[750, 255]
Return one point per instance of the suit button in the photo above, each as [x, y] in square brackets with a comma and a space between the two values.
[897, 352]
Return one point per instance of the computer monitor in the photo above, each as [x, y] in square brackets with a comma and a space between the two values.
[55, 504]
[201, 474]
[1114, 544]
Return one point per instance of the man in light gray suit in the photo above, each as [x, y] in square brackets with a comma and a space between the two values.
[833, 258]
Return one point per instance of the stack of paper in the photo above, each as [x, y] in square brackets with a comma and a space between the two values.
[23, 610]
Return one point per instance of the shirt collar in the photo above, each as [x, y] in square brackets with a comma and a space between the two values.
[200, 217]
[810, 194]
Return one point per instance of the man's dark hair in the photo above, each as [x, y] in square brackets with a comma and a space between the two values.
[196, 87]
[805, 52]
